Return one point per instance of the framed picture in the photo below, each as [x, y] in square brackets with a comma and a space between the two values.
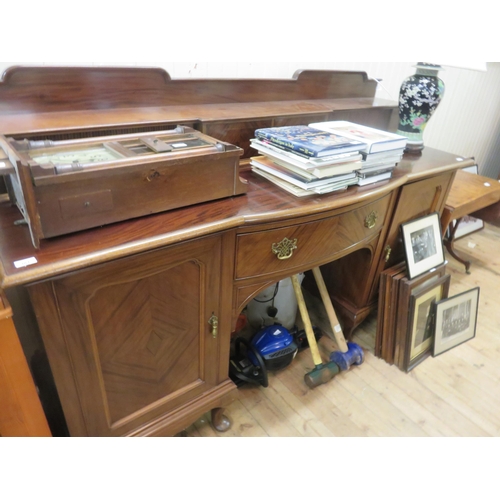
[473, 169]
[423, 244]
[406, 290]
[455, 320]
[420, 331]
[387, 311]
[467, 225]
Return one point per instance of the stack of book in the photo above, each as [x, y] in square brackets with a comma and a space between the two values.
[382, 152]
[306, 161]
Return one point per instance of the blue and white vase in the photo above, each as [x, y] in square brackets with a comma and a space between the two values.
[419, 96]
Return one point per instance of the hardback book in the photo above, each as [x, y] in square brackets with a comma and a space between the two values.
[287, 186]
[364, 181]
[378, 165]
[300, 173]
[310, 170]
[370, 173]
[376, 168]
[263, 163]
[295, 190]
[309, 141]
[337, 186]
[301, 161]
[391, 155]
[375, 140]
[371, 160]
[329, 170]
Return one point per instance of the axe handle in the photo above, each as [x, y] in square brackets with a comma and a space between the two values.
[313, 346]
[334, 322]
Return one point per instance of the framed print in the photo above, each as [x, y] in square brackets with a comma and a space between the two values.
[467, 225]
[455, 320]
[473, 169]
[423, 244]
[420, 332]
[387, 310]
[408, 288]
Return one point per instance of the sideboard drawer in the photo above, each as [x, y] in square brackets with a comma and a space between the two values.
[274, 250]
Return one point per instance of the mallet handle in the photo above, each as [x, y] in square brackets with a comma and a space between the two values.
[334, 322]
[313, 346]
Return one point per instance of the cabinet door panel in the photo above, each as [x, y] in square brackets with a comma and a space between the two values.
[155, 337]
[138, 335]
[416, 200]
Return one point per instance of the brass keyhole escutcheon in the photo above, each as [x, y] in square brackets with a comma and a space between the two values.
[387, 253]
[284, 249]
[371, 220]
[154, 174]
[214, 323]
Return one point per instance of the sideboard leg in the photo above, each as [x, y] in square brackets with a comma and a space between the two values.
[220, 421]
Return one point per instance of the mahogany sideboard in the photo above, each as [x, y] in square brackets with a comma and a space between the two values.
[136, 316]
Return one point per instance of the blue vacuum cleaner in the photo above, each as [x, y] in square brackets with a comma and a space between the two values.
[271, 349]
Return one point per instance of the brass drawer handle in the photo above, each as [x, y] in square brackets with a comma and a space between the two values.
[284, 249]
[371, 220]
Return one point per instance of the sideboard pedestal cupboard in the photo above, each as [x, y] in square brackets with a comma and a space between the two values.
[136, 316]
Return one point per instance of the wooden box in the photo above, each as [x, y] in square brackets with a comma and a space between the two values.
[65, 186]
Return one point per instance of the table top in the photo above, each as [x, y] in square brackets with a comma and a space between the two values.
[470, 192]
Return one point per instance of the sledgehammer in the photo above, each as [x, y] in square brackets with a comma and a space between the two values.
[350, 353]
[322, 373]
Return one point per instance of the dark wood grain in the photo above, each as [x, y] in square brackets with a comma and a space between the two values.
[316, 241]
[28, 89]
[416, 200]
[69, 102]
[138, 337]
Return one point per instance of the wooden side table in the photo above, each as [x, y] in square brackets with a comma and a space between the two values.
[469, 193]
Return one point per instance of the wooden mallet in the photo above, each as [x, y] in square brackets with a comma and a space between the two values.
[323, 372]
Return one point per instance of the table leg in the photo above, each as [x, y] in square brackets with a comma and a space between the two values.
[448, 242]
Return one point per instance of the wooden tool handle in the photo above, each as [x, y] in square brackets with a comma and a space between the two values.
[313, 346]
[334, 322]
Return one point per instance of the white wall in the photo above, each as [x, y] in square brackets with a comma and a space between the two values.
[467, 122]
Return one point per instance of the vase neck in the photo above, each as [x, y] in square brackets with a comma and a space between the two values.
[426, 72]
[427, 69]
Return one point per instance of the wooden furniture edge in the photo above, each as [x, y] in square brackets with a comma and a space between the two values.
[65, 265]
[29, 124]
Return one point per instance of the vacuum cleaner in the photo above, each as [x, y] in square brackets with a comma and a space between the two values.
[271, 349]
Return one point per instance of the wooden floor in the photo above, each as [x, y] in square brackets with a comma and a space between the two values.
[454, 394]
